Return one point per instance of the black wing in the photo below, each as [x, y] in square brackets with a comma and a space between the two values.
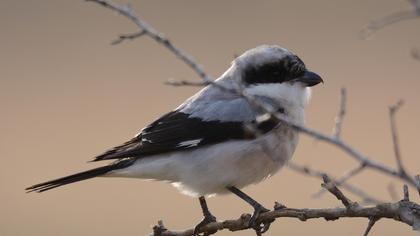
[176, 131]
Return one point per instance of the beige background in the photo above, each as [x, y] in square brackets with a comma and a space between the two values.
[66, 95]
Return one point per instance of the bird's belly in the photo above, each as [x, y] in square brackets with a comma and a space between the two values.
[209, 170]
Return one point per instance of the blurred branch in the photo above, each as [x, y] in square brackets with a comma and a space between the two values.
[403, 211]
[340, 117]
[148, 30]
[393, 18]
[365, 197]
[345, 177]
[392, 110]
[123, 37]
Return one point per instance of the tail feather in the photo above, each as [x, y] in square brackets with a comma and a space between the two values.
[79, 176]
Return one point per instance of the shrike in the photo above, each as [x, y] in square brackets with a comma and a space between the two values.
[205, 146]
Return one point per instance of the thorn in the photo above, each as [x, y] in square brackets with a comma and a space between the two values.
[372, 222]
[406, 193]
[278, 206]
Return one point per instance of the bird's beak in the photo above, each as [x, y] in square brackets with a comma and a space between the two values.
[310, 79]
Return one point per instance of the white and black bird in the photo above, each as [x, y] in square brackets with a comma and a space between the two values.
[204, 146]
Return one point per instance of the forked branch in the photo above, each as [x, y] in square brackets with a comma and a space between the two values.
[404, 211]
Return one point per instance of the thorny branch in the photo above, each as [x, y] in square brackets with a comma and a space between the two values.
[404, 211]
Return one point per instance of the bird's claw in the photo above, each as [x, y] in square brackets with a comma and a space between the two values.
[260, 227]
[207, 220]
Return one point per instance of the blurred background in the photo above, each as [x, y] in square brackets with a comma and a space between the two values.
[66, 95]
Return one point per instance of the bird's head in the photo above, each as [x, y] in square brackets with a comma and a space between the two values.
[274, 72]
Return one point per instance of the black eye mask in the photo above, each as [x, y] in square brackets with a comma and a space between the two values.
[286, 69]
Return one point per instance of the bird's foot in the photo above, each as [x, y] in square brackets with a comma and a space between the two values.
[208, 218]
[259, 227]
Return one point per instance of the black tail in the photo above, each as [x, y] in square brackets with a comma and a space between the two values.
[79, 176]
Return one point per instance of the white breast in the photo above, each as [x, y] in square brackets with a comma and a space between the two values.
[211, 169]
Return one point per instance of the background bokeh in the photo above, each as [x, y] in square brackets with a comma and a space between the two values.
[66, 95]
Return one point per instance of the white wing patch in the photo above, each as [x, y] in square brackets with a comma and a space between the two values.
[189, 143]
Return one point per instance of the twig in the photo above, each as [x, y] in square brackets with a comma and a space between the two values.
[406, 193]
[176, 83]
[371, 223]
[393, 18]
[366, 198]
[329, 185]
[392, 111]
[148, 30]
[390, 210]
[339, 181]
[159, 37]
[123, 37]
[340, 117]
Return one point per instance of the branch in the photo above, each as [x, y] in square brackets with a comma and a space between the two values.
[278, 117]
[340, 117]
[148, 30]
[417, 177]
[366, 198]
[392, 110]
[402, 211]
[393, 18]
[341, 180]
[330, 186]
[124, 37]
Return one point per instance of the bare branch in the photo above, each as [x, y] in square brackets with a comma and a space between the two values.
[278, 117]
[406, 193]
[392, 110]
[329, 185]
[148, 30]
[403, 211]
[372, 222]
[124, 37]
[393, 18]
[340, 117]
[396, 211]
[339, 181]
[366, 198]
[417, 178]
[176, 83]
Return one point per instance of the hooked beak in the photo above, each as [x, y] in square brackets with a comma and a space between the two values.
[310, 79]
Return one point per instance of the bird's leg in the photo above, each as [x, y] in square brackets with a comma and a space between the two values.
[258, 209]
[208, 217]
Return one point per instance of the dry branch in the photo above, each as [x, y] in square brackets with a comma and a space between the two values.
[375, 25]
[403, 211]
[340, 117]
[365, 197]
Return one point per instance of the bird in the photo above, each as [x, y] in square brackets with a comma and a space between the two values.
[219, 141]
